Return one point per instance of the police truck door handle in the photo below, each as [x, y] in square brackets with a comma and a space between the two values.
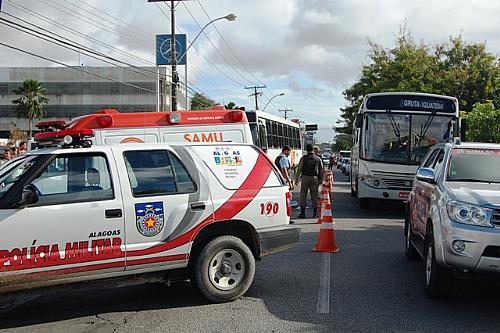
[113, 213]
[198, 206]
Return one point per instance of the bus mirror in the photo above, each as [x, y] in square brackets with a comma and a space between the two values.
[358, 121]
[463, 129]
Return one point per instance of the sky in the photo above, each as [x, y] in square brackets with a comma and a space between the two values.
[309, 50]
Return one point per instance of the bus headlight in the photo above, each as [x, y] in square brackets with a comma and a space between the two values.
[371, 181]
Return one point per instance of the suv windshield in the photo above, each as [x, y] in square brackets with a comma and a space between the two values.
[402, 138]
[11, 173]
[474, 165]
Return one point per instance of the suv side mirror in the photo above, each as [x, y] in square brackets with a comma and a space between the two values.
[426, 175]
[29, 196]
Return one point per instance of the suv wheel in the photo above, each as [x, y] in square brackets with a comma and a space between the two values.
[224, 269]
[410, 251]
[438, 281]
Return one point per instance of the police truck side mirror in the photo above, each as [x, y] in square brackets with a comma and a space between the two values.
[358, 121]
[29, 196]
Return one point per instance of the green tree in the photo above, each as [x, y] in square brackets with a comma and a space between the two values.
[342, 142]
[483, 123]
[230, 106]
[455, 68]
[201, 102]
[32, 102]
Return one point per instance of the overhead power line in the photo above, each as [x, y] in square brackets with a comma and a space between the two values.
[229, 47]
[77, 68]
[216, 48]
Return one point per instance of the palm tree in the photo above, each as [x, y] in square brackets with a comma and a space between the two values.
[31, 104]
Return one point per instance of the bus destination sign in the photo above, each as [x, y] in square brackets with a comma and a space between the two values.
[411, 103]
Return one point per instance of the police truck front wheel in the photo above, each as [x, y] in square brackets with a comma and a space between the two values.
[224, 269]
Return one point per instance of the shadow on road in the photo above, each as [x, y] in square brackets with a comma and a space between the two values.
[84, 303]
[373, 288]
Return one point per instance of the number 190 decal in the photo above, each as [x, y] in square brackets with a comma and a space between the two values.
[269, 208]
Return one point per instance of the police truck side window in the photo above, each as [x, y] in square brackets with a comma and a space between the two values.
[183, 180]
[74, 178]
[150, 172]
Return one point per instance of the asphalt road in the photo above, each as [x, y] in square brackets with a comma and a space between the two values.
[368, 286]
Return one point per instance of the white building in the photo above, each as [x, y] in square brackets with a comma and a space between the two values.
[73, 93]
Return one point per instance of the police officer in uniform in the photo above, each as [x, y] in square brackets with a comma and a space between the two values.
[311, 168]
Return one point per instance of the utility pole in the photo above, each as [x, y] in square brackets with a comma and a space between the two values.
[285, 111]
[255, 94]
[173, 55]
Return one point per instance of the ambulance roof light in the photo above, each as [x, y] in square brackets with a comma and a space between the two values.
[175, 118]
[237, 116]
[105, 121]
[68, 138]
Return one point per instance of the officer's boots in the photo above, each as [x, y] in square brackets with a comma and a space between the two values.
[302, 214]
[315, 212]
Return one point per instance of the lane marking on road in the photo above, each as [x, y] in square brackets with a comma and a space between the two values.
[323, 305]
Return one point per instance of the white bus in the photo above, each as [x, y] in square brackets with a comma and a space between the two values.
[392, 133]
[273, 132]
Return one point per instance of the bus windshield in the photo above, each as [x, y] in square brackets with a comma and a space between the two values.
[402, 138]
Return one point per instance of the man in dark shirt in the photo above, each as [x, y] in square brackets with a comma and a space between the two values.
[310, 166]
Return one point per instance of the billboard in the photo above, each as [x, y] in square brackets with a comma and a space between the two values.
[163, 49]
[312, 127]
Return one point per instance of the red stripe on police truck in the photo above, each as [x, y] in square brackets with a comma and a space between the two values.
[235, 204]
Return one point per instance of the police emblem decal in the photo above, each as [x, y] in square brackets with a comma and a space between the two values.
[149, 218]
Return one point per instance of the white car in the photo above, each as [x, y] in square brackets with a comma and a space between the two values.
[86, 212]
[345, 162]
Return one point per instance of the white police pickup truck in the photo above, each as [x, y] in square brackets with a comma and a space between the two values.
[79, 212]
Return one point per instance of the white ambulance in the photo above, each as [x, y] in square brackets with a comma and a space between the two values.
[81, 212]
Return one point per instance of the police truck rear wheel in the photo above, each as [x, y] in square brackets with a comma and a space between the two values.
[224, 269]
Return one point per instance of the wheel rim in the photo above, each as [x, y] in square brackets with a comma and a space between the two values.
[227, 269]
[428, 265]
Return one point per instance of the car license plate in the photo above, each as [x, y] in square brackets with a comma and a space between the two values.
[404, 195]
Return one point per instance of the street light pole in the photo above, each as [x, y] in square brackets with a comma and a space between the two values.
[229, 17]
[280, 94]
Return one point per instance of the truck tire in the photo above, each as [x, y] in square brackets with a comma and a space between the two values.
[224, 269]
[438, 281]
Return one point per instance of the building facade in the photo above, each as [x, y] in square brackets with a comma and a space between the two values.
[74, 93]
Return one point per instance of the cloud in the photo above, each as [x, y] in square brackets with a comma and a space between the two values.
[311, 50]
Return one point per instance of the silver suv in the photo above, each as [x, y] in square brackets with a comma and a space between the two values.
[453, 214]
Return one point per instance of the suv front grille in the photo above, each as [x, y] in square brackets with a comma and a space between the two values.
[492, 251]
[496, 217]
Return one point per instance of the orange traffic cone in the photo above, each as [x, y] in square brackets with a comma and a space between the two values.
[329, 180]
[327, 240]
[323, 199]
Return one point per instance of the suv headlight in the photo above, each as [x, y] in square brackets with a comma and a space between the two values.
[469, 214]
